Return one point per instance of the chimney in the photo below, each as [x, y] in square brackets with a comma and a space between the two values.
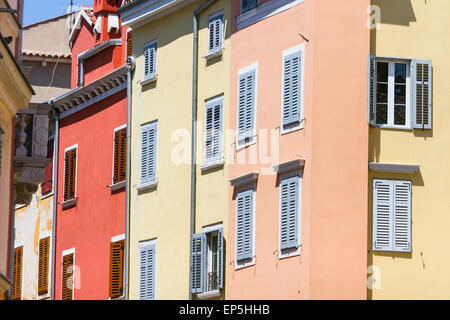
[108, 22]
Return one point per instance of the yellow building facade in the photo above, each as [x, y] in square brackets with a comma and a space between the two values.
[409, 145]
[161, 121]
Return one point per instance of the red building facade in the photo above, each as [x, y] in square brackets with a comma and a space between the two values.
[90, 218]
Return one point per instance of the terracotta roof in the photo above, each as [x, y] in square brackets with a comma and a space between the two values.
[30, 53]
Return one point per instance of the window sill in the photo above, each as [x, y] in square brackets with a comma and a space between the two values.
[382, 126]
[241, 264]
[291, 129]
[147, 185]
[214, 54]
[289, 252]
[117, 186]
[149, 80]
[47, 195]
[69, 203]
[212, 165]
[209, 295]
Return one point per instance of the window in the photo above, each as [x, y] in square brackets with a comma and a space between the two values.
[216, 33]
[70, 168]
[245, 211]
[80, 73]
[207, 261]
[289, 213]
[147, 275]
[148, 156]
[67, 277]
[150, 60]
[44, 248]
[214, 130]
[391, 215]
[47, 183]
[116, 269]
[120, 155]
[292, 100]
[16, 289]
[130, 43]
[247, 106]
[399, 93]
[247, 5]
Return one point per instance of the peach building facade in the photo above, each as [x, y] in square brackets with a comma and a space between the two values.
[298, 164]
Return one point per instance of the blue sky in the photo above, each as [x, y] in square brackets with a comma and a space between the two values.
[38, 10]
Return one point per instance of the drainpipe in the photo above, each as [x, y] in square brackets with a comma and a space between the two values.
[55, 196]
[131, 64]
[197, 12]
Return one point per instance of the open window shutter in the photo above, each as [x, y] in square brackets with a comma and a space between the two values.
[402, 216]
[129, 43]
[382, 215]
[120, 146]
[198, 272]
[292, 77]
[218, 30]
[241, 106]
[67, 276]
[16, 289]
[220, 258]
[148, 161]
[116, 269]
[147, 272]
[212, 42]
[371, 89]
[44, 247]
[244, 226]
[47, 183]
[422, 93]
[289, 213]
[69, 174]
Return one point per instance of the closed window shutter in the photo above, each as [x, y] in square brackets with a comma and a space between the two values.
[47, 183]
[150, 60]
[292, 78]
[70, 174]
[289, 213]
[244, 225]
[246, 108]
[402, 216]
[220, 258]
[422, 93]
[67, 278]
[116, 269]
[16, 289]
[198, 270]
[79, 75]
[129, 43]
[148, 157]
[44, 247]
[213, 141]
[371, 89]
[215, 34]
[382, 215]
[120, 150]
[147, 272]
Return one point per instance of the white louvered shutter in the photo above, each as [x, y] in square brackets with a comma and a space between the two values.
[289, 213]
[402, 216]
[383, 195]
[150, 60]
[147, 272]
[220, 258]
[244, 225]
[198, 272]
[421, 71]
[214, 131]
[371, 89]
[148, 157]
[215, 33]
[292, 78]
[246, 107]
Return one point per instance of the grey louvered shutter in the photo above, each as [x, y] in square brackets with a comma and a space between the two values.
[150, 60]
[289, 213]
[371, 89]
[215, 33]
[198, 272]
[147, 272]
[244, 225]
[402, 216]
[246, 107]
[214, 128]
[148, 157]
[292, 82]
[383, 201]
[421, 71]
[220, 259]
